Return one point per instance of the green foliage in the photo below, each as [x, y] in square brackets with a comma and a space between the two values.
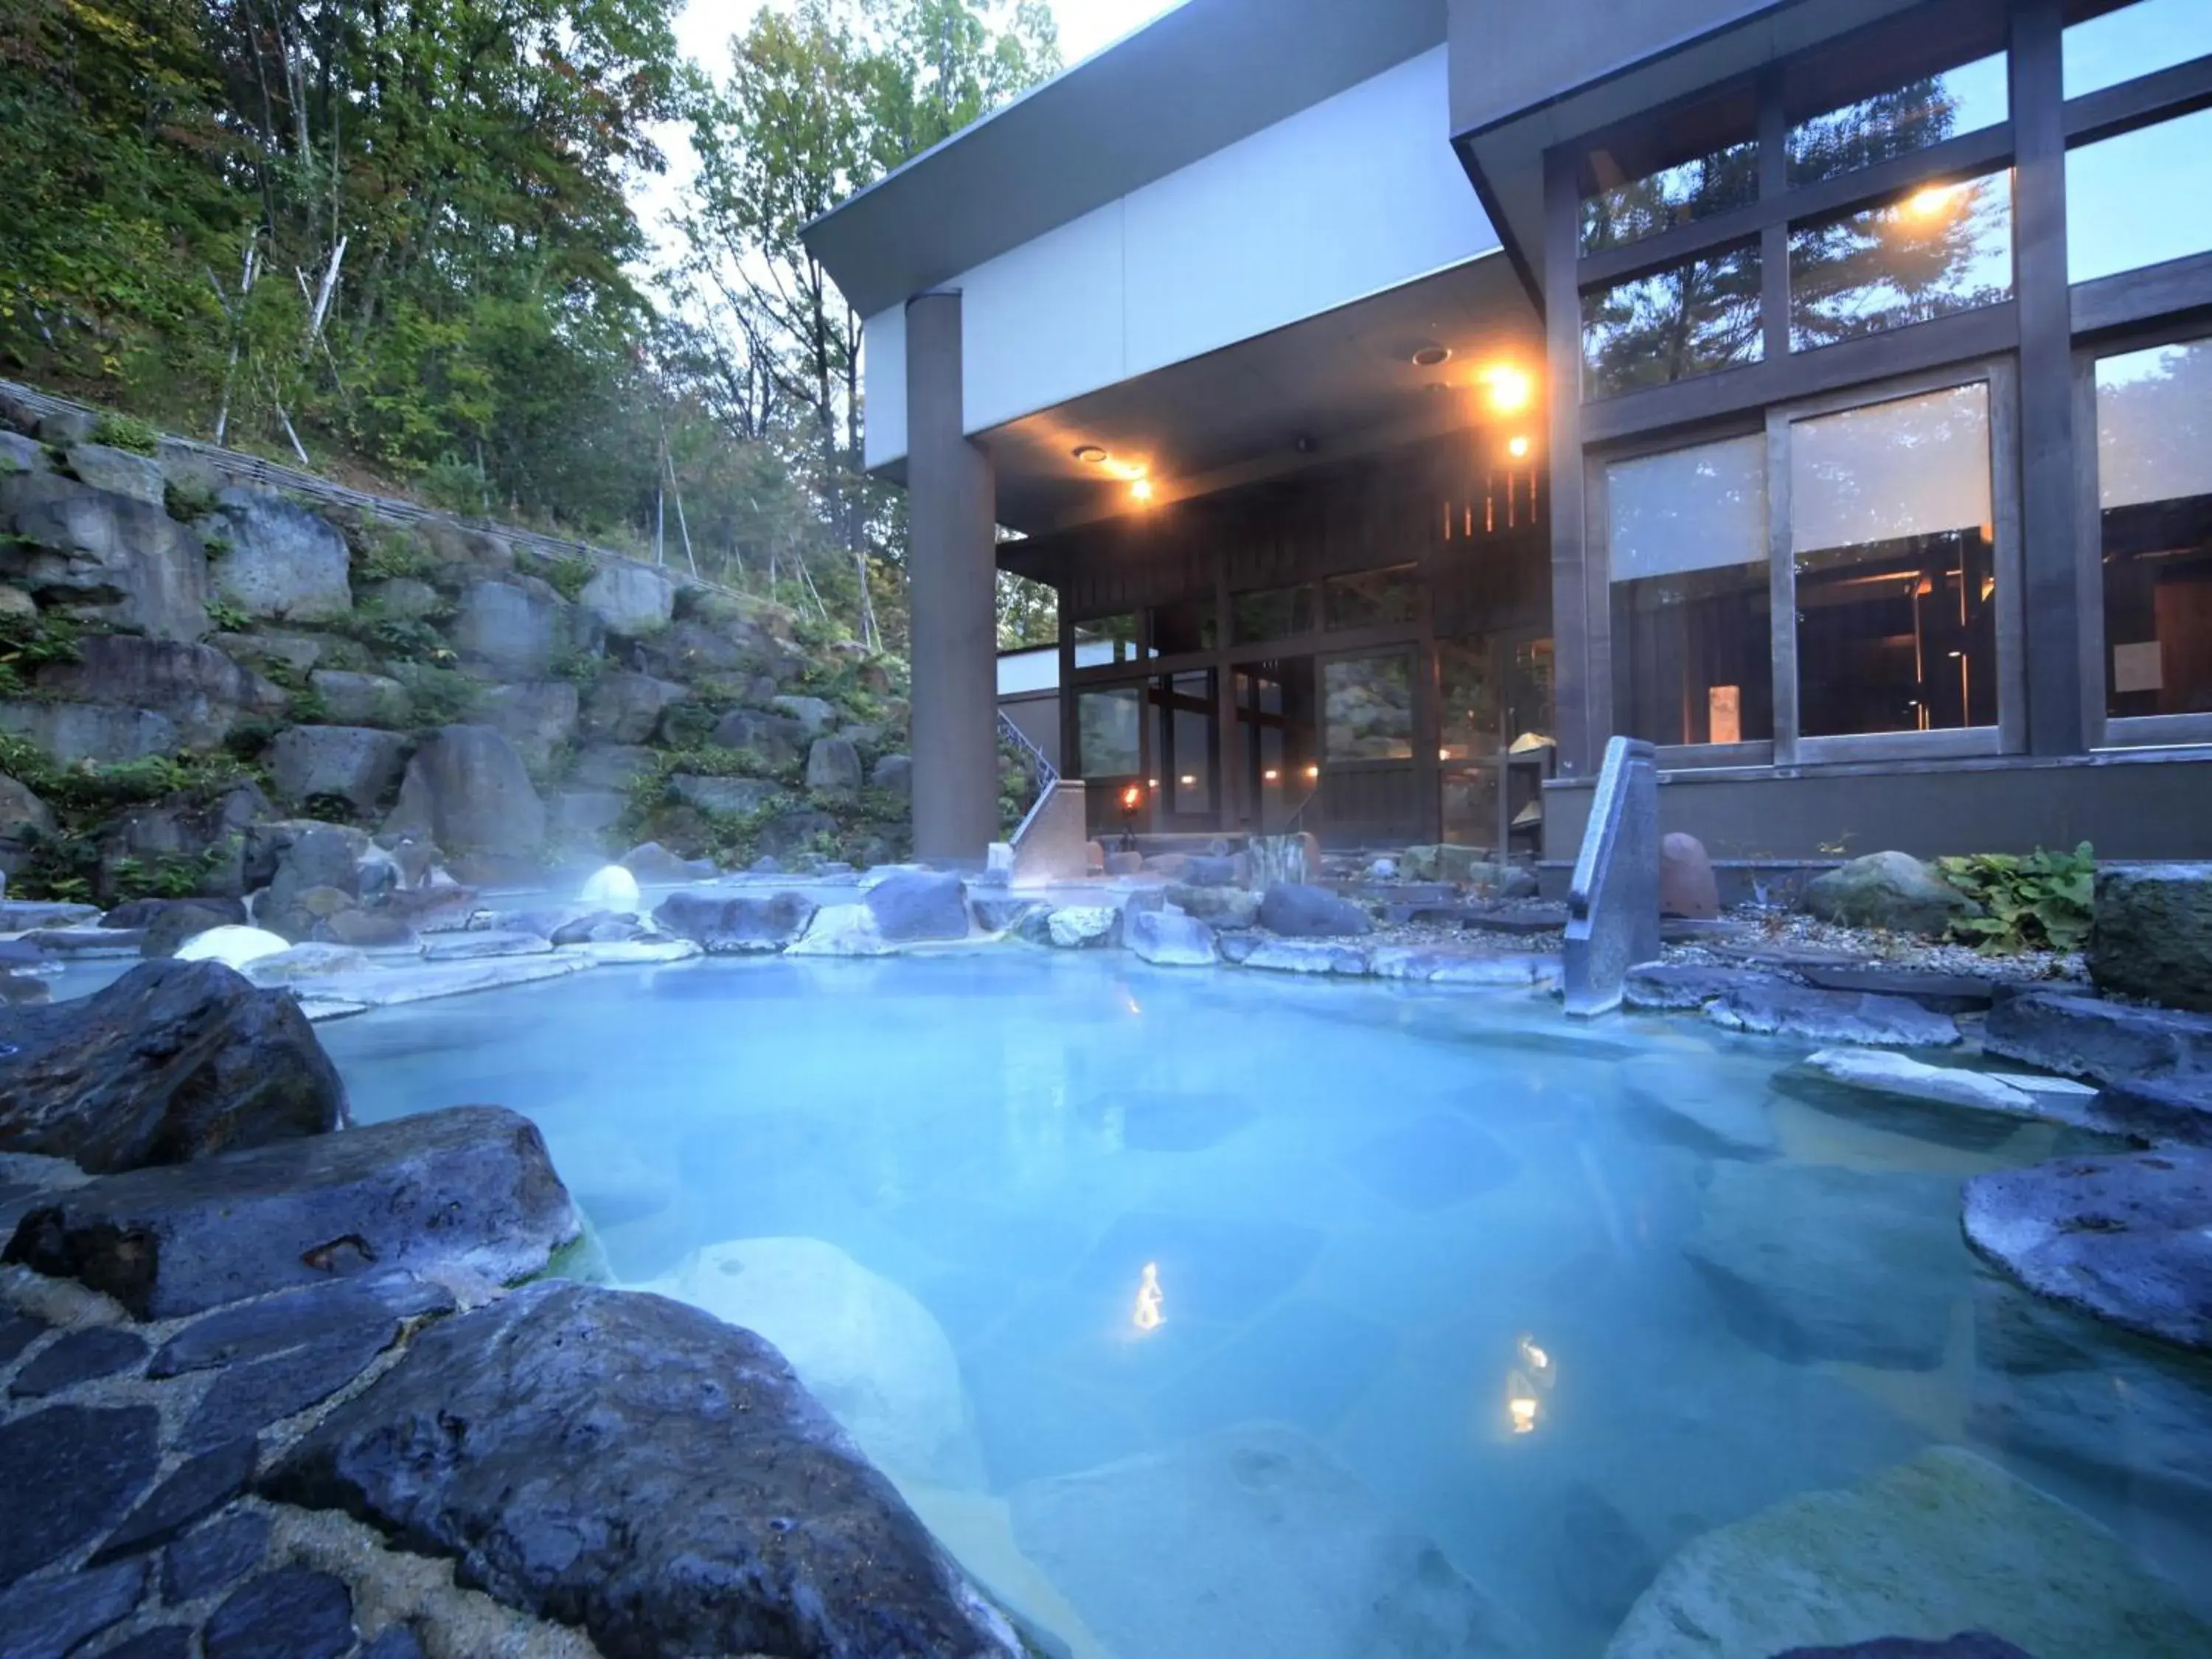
[442, 696]
[569, 576]
[226, 616]
[2043, 901]
[1028, 613]
[581, 669]
[28, 642]
[397, 556]
[126, 432]
[456, 485]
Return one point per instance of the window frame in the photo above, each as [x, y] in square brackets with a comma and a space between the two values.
[2102, 729]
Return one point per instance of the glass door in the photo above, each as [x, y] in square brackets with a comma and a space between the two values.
[1186, 783]
[1277, 754]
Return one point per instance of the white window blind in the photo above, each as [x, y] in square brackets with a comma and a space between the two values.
[2154, 425]
[1913, 466]
[1700, 509]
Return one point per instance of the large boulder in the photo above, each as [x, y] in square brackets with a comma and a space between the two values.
[1831, 1016]
[73, 731]
[119, 472]
[2151, 935]
[629, 600]
[355, 764]
[173, 1061]
[469, 1189]
[277, 560]
[737, 927]
[23, 819]
[611, 765]
[625, 708]
[862, 1346]
[1947, 1541]
[193, 824]
[1299, 911]
[688, 651]
[832, 767]
[1169, 938]
[513, 627]
[734, 798]
[812, 713]
[1888, 889]
[2083, 1036]
[1253, 1540]
[1687, 887]
[467, 790]
[777, 739]
[2127, 1237]
[626, 1463]
[1811, 1262]
[103, 556]
[894, 775]
[918, 906]
[351, 699]
[179, 922]
[202, 693]
[536, 716]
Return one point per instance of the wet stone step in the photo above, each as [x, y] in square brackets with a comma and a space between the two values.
[70, 1472]
[219, 1553]
[50, 1617]
[1943, 994]
[253, 1330]
[80, 1357]
[202, 1486]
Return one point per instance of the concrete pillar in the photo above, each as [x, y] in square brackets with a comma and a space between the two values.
[951, 565]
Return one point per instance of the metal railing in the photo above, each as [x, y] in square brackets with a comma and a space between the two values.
[1042, 772]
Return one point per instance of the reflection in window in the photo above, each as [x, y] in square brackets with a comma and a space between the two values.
[1689, 319]
[1273, 614]
[1183, 741]
[1913, 117]
[1106, 733]
[1943, 249]
[1889, 525]
[2139, 199]
[1368, 706]
[1471, 722]
[1104, 640]
[2136, 40]
[1643, 207]
[1373, 599]
[1275, 734]
[1693, 640]
[1190, 625]
[2154, 485]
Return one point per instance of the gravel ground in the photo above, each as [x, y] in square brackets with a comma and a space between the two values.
[1790, 931]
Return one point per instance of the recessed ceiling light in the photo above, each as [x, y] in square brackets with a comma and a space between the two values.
[1090, 454]
[1509, 387]
[1142, 489]
[1429, 357]
[1518, 449]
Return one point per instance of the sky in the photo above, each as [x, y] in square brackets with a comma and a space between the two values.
[706, 25]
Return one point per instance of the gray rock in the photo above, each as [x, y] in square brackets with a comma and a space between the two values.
[919, 906]
[602, 927]
[244, 1399]
[832, 767]
[629, 600]
[79, 1356]
[70, 1474]
[1220, 907]
[514, 627]
[1968, 1644]
[612, 766]
[1888, 889]
[189, 825]
[403, 598]
[801, 830]
[277, 560]
[538, 717]
[1296, 911]
[303, 963]
[1082, 926]
[21, 991]
[652, 863]
[370, 1306]
[1687, 887]
[173, 1061]
[843, 930]
[184, 919]
[2127, 1238]
[1831, 1016]
[2156, 1108]
[894, 775]
[73, 731]
[295, 653]
[1668, 988]
[23, 819]
[468, 1187]
[51, 1617]
[65, 427]
[2152, 933]
[1812, 1261]
[1946, 1539]
[201, 1487]
[1252, 1541]
[293, 1613]
[738, 926]
[356, 764]
[736, 797]
[118, 471]
[479, 946]
[23, 916]
[199, 691]
[219, 1553]
[1945, 993]
[102, 556]
[639, 1468]
[997, 913]
[467, 790]
[777, 739]
[1169, 938]
[362, 699]
[812, 713]
[1913, 1079]
[21, 455]
[2082, 1036]
[1299, 955]
[586, 814]
[625, 708]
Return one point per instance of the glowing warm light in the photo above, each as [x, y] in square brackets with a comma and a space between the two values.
[1141, 490]
[1152, 783]
[1518, 449]
[1271, 776]
[1148, 1316]
[1932, 201]
[1509, 387]
[1189, 780]
[1536, 1359]
[1523, 1407]
[1313, 774]
[1132, 798]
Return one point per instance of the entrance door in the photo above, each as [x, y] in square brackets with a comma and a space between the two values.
[1186, 752]
[1277, 744]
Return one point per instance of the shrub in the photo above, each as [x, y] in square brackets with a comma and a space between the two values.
[2044, 900]
[442, 696]
[570, 575]
[28, 642]
[126, 432]
[227, 616]
[456, 485]
[394, 555]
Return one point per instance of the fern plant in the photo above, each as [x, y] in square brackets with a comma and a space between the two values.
[2045, 900]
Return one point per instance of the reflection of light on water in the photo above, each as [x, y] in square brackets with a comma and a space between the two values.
[1131, 1004]
[1148, 1316]
[1525, 1383]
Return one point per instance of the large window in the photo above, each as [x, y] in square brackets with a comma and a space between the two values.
[1693, 635]
[1103, 641]
[1691, 318]
[2134, 40]
[2140, 198]
[1107, 732]
[1942, 249]
[1373, 599]
[1628, 210]
[1899, 119]
[1367, 706]
[1893, 549]
[1275, 613]
[2154, 492]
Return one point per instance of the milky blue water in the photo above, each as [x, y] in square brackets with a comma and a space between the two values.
[1376, 1216]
